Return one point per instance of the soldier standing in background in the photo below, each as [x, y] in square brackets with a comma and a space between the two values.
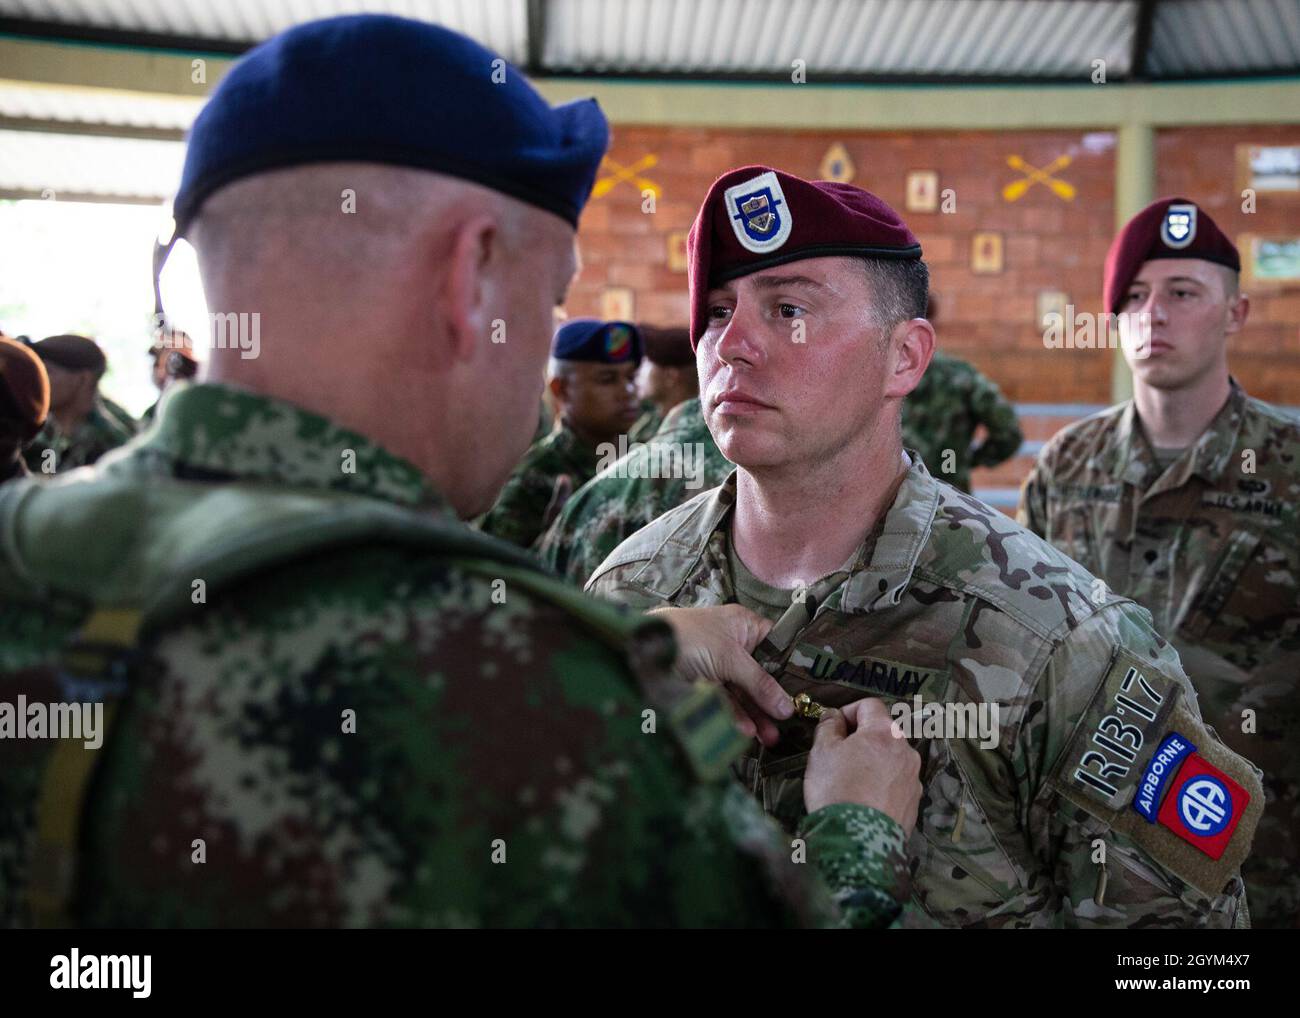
[361, 711]
[83, 424]
[173, 361]
[592, 379]
[667, 377]
[1186, 498]
[678, 462]
[945, 411]
[24, 402]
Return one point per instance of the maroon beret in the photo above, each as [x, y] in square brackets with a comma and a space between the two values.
[1168, 228]
[756, 217]
[668, 346]
[24, 390]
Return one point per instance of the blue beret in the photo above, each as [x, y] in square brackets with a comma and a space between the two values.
[381, 89]
[589, 339]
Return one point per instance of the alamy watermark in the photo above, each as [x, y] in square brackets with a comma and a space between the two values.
[227, 330]
[1086, 331]
[656, 459]
[35, 720]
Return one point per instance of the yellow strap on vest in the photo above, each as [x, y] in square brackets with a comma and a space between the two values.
[60, 807]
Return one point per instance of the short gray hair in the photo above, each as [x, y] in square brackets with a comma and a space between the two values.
[900, 289]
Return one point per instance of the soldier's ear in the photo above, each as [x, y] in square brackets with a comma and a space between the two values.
[559, 389]
[468, 289]
[1238, 310]
[910, 349]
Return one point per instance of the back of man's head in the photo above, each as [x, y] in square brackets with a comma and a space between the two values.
[386, 255]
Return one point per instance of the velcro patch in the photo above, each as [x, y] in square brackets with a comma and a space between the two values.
[1207, 799]
[873, 676]
[1127, 718]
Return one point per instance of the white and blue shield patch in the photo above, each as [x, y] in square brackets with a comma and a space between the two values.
[759, 213]
[1179, 226]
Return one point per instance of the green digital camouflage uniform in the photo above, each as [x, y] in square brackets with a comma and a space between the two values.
[953, 603]
[551, 471]
[493, 710]
[103, 430]
[647, 424]
[943, 413]
[1211, 546]
[624, 497]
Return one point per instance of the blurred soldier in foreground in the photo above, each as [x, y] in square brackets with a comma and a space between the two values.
[83, 424]
[1187, 499]
[945, 411]
[1047, 708]
[24, 402]
[328, 702]
[592, 378]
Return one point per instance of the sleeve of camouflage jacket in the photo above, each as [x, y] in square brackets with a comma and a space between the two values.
[1105, 878]
[998, 416]
[450, 757]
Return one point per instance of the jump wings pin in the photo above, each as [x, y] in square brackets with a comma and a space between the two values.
[806, 707]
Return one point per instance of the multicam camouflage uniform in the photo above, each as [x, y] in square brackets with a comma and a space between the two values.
[951, 602]
[941, 415]
[481, 724]
[622, 498]
[104, 429]
[551, 471]
[1211, 547]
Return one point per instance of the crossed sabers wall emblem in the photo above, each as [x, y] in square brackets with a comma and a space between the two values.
[631, 174]
[1033, 175]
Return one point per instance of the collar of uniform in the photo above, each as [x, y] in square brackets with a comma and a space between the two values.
[1216, 445]
[1133, 461]
[1127, 456]
[215, 430]
[880, 582]
[698, 537]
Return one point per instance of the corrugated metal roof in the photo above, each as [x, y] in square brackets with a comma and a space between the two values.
[1197, 37]
[54, 165]
[837, 39]
[962, 38]
[501, 24]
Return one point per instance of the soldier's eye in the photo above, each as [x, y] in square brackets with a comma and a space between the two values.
[789, 310]
[718, 312]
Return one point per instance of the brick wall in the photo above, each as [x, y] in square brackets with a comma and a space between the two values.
[1049, 244]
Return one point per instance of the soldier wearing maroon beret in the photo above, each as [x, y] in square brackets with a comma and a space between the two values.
[24, 403]
[1186, 498]
[999, 657]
